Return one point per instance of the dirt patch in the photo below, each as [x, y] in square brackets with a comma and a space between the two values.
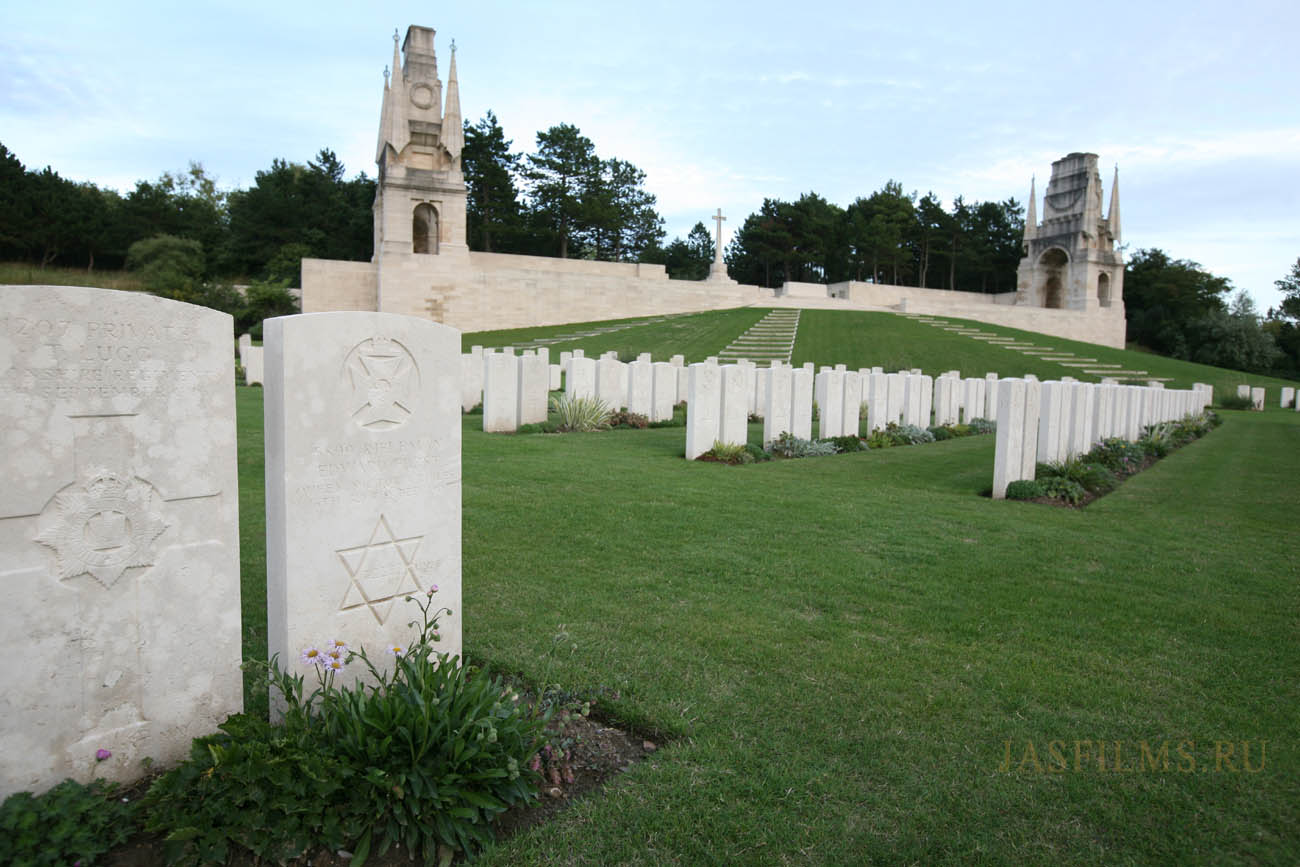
[595, 753]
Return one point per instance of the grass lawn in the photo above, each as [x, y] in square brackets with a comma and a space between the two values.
[835, 652]
[837, 656]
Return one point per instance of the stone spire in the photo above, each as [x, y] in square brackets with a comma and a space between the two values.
[393, 129]
[1112, 216]
[1031, 219]
[453, 128]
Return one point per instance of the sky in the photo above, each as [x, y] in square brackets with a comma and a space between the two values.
[721, 104]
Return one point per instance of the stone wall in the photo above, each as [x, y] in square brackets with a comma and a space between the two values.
[487, 291]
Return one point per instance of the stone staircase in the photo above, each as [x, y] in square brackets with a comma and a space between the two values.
[1045, 353]
[770, 339]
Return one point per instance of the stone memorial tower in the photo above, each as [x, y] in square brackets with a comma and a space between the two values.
[420, 199]
[1071, 262]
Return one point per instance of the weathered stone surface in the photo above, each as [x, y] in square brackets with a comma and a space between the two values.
[119, 541]
[555, 377]
[1011, 437]
[362, 479]
[471, 379]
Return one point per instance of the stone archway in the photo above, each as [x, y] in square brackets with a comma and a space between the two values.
[1103, 289]
[1053, 264]
[424, 229]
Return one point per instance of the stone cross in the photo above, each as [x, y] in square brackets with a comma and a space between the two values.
[717, 249]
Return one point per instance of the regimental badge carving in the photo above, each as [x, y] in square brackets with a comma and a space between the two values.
[103, 526]
[384, 380]
[380, 571]
[422, 95]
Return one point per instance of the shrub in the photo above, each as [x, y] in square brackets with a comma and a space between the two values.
[538, 427]
[1117, 455]
[728, 453]
[1233, 401]
[940, 433]
[879, 440]
[756, 453]
[983, 426]
[1158, 440]
[70, 823]
[1024, 489]
[426, 757]
[581, 414]
[624, 419]
[909, 434]
[1060, 488]
[787, 445]
[845, 444]
[167, 265]
[960, 430]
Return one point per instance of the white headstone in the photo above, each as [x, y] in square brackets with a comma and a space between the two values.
[534, 385]
[254, 366]
[565, 355]
[776, 414]
[852, 401]
[913, 386]
[1243, 391]
[471, 380]
[555, 377]
[1053, 422]
[362, 480]
[831, 410]
[611, 382]
[895, 392]
[762, 381]
[702, 408]
[119, 537]
[733, 425]
[663, 390]
[500, 392]
[582, 377]
[1257, 398]
[677, 361]
[1012, 437]
[640, 386]
[801, 400]
[877, 393]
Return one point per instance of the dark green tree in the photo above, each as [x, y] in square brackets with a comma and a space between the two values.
[492, 214]
[562, 175]
[687, 259]
[620, 214]
[1289, 286]
[1163, 297]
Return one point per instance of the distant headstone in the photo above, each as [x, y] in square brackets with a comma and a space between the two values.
[471, 379]
[851, 425]
[1243, 391]
[777, 412]
[801, 400]
[1288, 397]
[500, 392]
[702, 408]
[534, 383]
[733, 415]
[581, 380]
[677, 361]
[663, 390]
[363, 483]
[1257, 398]
[831, 410]
[640, 386]
[555, 377]
[119, 537]
[611, 382]
[254, 366]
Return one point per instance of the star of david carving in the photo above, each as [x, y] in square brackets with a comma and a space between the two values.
[380, 571]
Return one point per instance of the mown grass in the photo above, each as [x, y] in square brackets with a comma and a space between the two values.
[863, 339]
[834, 652]
[27, 274]
[695, 336]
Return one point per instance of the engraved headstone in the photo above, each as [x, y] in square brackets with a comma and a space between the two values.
[119, 538]
[663, 390]
[801, 401]
[581, 380]
[737, 395]
[776, 414]
[500, 392]
[531, 394]
[640, 386]
[363, 445]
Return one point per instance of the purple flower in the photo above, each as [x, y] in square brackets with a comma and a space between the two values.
[100, 755]
[433, 589]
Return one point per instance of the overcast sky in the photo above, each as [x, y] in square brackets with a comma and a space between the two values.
[721, 104]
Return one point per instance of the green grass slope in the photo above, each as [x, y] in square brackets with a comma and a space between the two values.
[835, 653]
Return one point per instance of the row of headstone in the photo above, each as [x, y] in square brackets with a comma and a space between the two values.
[119, 524]
[1045, 422]
[252, 359]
